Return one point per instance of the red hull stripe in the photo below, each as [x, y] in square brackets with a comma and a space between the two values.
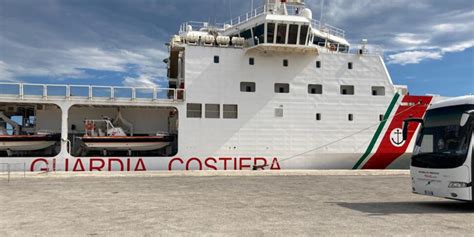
[387, 152]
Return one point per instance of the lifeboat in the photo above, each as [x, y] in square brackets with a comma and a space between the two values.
[125, 143]
[115, 139]
[27, 142]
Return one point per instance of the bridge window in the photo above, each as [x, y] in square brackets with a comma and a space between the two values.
[194, 110]
[246, 34]
[347, 90]
[315, 89]
[285, 62]
[281, 34]
[247, 86]
[270, 32]
[216, 59]
[318, 116]
[293, 34]
[381, 117]
[350, 65]
[378, 90]
[230, 111]
[303, 34]
[213, 111]
[259, 34]
[251, 61]
[282, 88]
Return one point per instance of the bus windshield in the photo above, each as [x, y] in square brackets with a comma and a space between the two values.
[443, 142]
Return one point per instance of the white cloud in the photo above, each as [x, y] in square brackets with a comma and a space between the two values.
[459, 47]
[410, 31]
[140, 81]
[413, 57]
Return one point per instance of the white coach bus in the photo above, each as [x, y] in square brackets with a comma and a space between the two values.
[442, 163]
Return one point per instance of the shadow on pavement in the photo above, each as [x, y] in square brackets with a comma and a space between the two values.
[387, 208]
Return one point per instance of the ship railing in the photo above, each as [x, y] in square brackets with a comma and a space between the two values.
[200, 26]
[325, 28]
[89, 92]
[369, 49]
[265, 9]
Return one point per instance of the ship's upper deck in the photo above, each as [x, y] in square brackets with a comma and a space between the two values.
[277, 25]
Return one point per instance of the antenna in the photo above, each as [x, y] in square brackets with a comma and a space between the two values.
[322, 12]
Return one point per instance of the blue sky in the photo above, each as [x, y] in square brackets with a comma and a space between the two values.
[428, 43]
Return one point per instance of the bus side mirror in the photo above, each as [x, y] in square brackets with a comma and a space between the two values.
[406, 123]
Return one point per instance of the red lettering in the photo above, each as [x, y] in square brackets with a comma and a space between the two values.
[66, 165]
[92, 167]
[275, 164]
[235, 163]
[225, 159]
[32, 167]
[242, 165]
[54, 164]
[213, 167]
[140, 163]
[260, 166]
[115, 160]
[170, 164]
[194, 159]
[128, 164]
[78, 162]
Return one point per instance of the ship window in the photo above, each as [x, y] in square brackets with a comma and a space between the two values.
[282, 88]
[315, 89]
[293, 34]
[247, 86]
[246, 34]
[285, 62]
[318, 64]
[270, 32]
[318, 116]
[381, 117]
[251, 61]
[349, 65]
[350, 117]
[194, 110]
[230, 111]
[378, 90]
[213, 111]
[347, 90]
[281, 34]
[216, 59]
[258, 33]
[303, 34]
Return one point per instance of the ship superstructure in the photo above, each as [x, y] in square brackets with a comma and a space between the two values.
[272, 89]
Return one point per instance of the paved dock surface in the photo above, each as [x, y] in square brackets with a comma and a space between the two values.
[270, 204]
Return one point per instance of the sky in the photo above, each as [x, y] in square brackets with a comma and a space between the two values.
[428, 44]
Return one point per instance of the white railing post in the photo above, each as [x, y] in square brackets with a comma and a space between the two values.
[134, 93]
[45, 92]
[68, 92]
[154, 94]
[175, 94]
[112, 93]
[90, 93]
[20, 88]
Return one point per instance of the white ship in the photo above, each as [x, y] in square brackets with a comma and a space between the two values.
[271, 89]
